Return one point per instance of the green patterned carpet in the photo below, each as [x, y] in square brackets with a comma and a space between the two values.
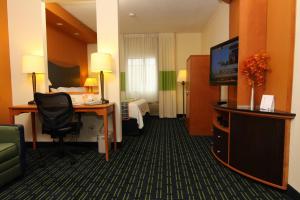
[164, 163]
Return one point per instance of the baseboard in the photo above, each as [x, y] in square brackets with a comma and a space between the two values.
[79, 144]
[292, 192]
[181, 116]
[153, 115]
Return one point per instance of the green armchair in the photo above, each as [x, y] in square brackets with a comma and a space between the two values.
[12, 152]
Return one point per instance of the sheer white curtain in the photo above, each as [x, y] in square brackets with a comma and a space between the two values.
[140, 58]
[167, 73]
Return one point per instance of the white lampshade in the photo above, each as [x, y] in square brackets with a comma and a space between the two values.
[101, 62]
[89, 82]
[33, 63]
[181, 77]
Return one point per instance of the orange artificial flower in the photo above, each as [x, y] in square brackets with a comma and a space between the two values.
[254, 68]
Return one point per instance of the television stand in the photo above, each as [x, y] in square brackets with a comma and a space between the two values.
[253, 143]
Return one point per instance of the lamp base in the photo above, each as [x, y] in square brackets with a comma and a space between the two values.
[104, 101]
[31, 102]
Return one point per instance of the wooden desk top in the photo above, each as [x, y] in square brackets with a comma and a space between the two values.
[102, 110]
[26, 106]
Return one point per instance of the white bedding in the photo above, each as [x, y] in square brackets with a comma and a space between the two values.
[137, 109]
[68, 89]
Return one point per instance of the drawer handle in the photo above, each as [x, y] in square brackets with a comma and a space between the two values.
[218, 151]
[219, 136]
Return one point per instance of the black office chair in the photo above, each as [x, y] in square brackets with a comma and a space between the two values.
[56, 113]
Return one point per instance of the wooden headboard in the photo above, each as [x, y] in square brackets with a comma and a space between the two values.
[63, 76]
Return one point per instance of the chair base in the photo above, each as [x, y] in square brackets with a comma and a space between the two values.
[60, 152]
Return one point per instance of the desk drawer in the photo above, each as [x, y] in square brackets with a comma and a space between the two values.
[220, 145]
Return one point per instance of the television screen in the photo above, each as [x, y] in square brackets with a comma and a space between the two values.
[224, 63]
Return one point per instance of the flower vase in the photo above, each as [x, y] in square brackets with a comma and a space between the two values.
[252, 97]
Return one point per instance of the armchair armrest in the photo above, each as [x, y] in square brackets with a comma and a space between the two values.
[14, 134]
[11, 133]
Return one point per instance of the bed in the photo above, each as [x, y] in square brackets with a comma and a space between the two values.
[134, 113]
[138, 109]
[66, 78]
[63, 75]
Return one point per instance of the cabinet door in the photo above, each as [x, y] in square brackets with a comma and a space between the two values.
[201, 96]
[220, 146]
[257, 146]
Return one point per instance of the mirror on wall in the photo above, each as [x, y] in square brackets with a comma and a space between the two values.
[71, 38]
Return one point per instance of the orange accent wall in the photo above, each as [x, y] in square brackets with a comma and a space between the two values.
[280, 46]
[66, 50]
[269, 26]
[253, 37]
[5, 76]
[234, 17]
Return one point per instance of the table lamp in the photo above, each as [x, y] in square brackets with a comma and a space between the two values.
[90, 83]
[101, 62]
[33, 64]
[181, 78]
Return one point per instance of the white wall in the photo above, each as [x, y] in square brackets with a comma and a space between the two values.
[91, 48]
[216, 31]
[27, 33]
[108, 41]
[186, 44]
[294, 166]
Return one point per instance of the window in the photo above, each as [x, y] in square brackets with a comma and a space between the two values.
[142, 81]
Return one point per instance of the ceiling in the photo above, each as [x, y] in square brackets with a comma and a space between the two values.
[165, 15]
[150, 15]
[62, 20]
[84, 10]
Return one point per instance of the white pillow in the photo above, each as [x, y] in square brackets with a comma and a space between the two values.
[53, 90]
[71, 89]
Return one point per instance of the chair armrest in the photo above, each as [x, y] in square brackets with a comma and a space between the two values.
[14, 134]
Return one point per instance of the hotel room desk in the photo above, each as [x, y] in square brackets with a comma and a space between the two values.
[101, 110]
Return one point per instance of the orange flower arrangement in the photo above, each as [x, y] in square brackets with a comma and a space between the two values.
[254, 68]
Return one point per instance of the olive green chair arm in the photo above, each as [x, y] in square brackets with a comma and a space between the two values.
[14, 134]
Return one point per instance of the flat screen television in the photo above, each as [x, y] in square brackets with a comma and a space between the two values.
[224, 63]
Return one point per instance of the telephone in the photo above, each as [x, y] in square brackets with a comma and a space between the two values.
[91, 99]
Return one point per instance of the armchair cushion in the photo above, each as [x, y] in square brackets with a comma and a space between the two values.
[8, 151]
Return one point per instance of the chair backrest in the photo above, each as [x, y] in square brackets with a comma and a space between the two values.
[55, 110]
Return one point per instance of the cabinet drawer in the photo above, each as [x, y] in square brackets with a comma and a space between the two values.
[220, 145]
